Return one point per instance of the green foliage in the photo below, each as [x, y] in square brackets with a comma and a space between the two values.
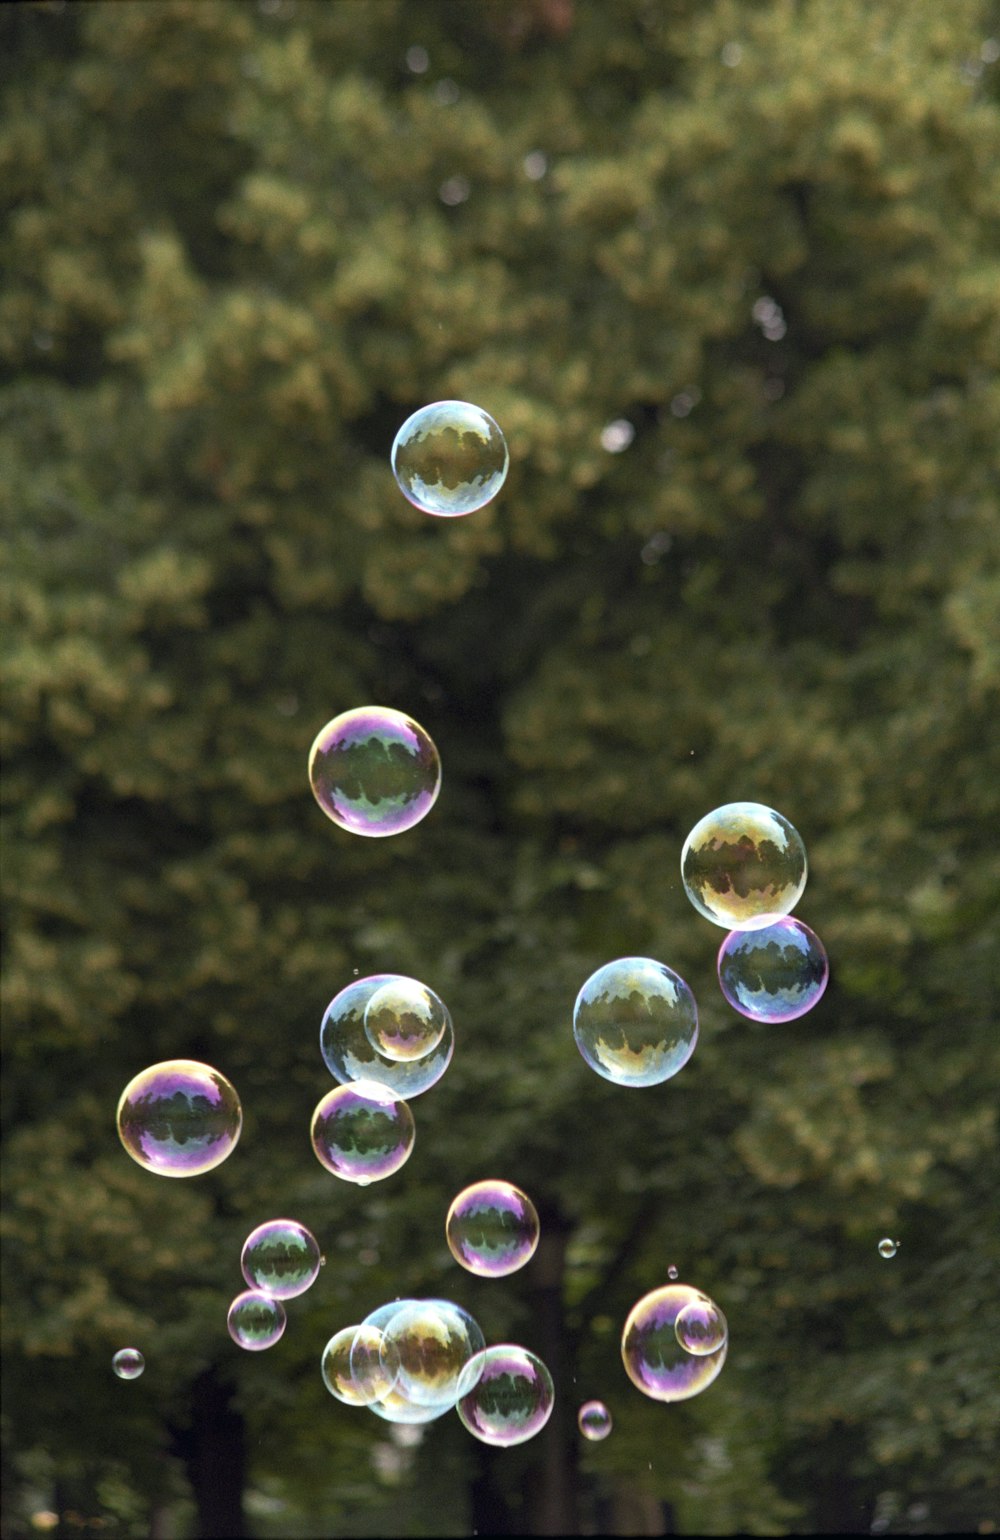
[241, 244]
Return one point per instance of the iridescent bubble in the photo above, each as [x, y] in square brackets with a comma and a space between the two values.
[434, 1342]
[450, 458]
[492, 1228]
[255, 1320]
[773, 974]
[179, 1118]
[128, 1363]
[349, 1056]
[374, 771]
[701, 1327]
[512, 1399]
[743, 865]
[594, 1420]
[398, 1406]
[404, 1020]
[887, 1247]
[672, 1273]
[362, 1132]
[281, 1258]
[356, 1366]
[635, 1022]
[654, 1360]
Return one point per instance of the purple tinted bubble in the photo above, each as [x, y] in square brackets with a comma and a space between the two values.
[281, 1258]
[492, 1228]
[775, 973]
[594, 1421]
[128, 1363]
[512, 1399]
[179, 1118]
[255, 1320]
[362, 1132]
[374, 771]
[654, 1360]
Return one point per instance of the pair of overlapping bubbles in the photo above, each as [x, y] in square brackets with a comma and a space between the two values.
[744, 867]
[386, 1038]
[674, 1343]
[413, 1360]
[280, 1260]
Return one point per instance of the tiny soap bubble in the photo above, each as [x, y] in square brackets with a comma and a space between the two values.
[594, 1421]
[887, 1247]
[128, 1363]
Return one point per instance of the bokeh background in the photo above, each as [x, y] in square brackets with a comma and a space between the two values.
[728, 274]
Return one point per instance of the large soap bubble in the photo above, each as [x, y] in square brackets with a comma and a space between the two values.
[450, 458]
[777, 973]
[362, 1132]
[357, 1366]
[654, 1359]
[743, 865]
[512, 1399]
[349, 1055]
[635, 1022]
[179, 1118]
[281, 1257]
[433, 1341]
[492, 1228]
[374, 771]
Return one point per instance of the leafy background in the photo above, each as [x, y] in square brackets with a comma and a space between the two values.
[241, 243]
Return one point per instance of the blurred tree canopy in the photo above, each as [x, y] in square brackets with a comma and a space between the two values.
[728, 275]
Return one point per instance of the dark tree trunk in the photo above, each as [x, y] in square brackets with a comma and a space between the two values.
[214, 1453]
[551, 1502]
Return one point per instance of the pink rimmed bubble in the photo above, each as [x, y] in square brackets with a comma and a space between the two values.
[701, 1327]
[512, 1399]
[281, 1258]
[128, 1363]
[362, 1132]
[776, 973]
[374, 771]
[654, 1359]
[449, 458]
[492, 1228]
[742, 865]
[255, 1320]
[179, 1118]
[594, 1421]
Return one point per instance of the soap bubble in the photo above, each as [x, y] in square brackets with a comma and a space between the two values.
[654, 1360]
[672, 1273]
[179, 1118]
[743, 865]
[450, 458]
[362, 1132]
[349, 1056]
[357, 1367]
[281, 1258]
[887, 1247]
[374, 771]
[701, 1327]
[594, 1420]
[776, 973]
[398, 1405]
[255, 1320]
[635, 1022]
[128, 1363]
[404, 1020]
[492, 1228]
[512, 1399]
[434, 1342]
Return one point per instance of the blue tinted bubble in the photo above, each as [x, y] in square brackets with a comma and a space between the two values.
[635, 1022]
[349, 1055]
[776, 973]
[450, 458]
[742, 865]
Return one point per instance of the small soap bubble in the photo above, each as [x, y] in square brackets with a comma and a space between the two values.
[450, 458]
[777, 973]
[362, 1132]
[356, 1367]
[179, 1118]
[512, 1399]
[349, 1054]
[635, 1022]
[128, 1363]
[535, 165]
[654, 1360]
[594, 1421]
[255, 1320]
[281, 1258]
[433, 1342]
[404, 1020]
[887, 1247]
[374, 771]
[492, 1228]
[672, 1274]
[701, 1327]
[743, 866]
